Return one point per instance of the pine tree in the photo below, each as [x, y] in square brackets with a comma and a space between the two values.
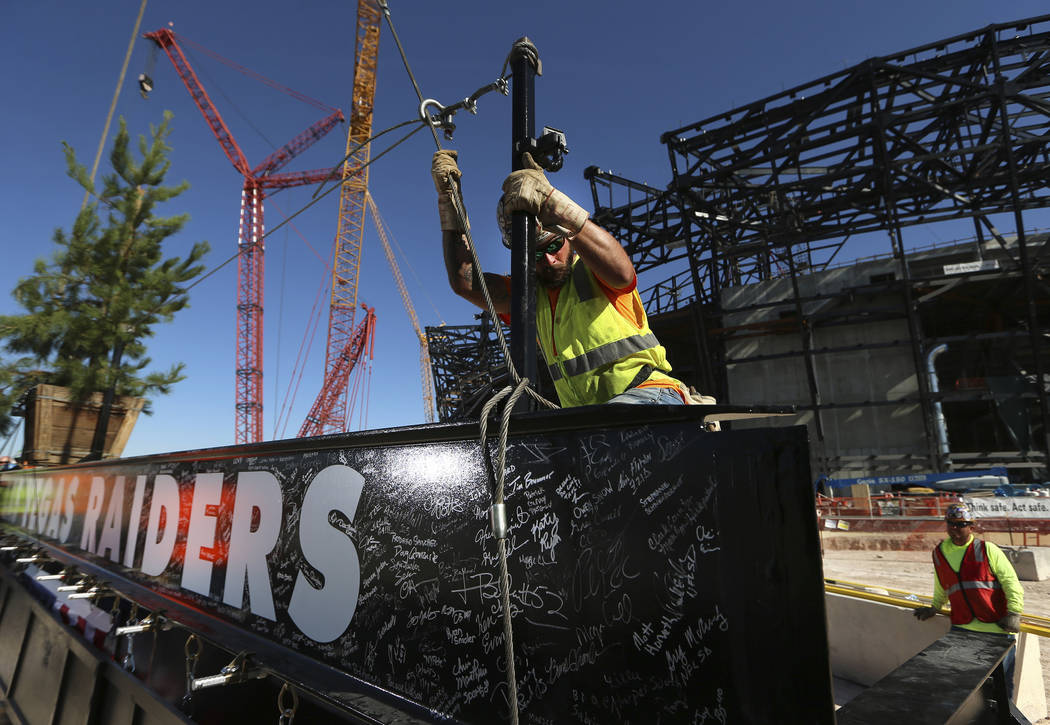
[91, 306]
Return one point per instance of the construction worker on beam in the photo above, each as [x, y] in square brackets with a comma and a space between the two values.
[590, 323]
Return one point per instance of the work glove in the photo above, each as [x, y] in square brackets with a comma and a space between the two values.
[698, 398]
[528, 190]
[924, 613]
[1011, 622]
[446, 174]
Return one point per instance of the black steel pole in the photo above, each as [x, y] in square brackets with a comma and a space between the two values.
[524, 61]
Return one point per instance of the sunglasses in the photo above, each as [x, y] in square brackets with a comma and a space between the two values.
[552, 246]
[960, 524]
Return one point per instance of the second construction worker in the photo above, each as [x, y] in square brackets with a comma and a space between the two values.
[590, 324]
[977, 579]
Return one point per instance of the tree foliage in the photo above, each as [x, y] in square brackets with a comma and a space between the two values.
[106, 285]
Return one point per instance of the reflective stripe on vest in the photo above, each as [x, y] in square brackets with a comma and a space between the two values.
[607, 353]
[971, 585]
[978, 551]
[973, 591]
[592, 351]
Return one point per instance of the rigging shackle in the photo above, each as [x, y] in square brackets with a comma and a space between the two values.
[442, 118]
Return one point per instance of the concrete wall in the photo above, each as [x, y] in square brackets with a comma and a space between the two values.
[1032, 563]
[855, 438]
[852, 309]
[868, 640]
[1029, 689]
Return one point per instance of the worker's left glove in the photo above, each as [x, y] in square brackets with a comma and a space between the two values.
[528, 190]
[446, 174]
[1011, 622]
[924, 613]
[695, 397]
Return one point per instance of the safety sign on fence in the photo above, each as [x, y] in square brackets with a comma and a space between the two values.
[1010, 507]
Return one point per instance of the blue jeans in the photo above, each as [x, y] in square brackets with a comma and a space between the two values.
[649, 396]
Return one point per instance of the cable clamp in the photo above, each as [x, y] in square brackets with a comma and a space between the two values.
[498, 519]
[238, 670]
[87, 594]
[60, 576]
[146, 625]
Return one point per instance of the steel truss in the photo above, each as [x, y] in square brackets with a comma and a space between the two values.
[467, 362]
[773, 190]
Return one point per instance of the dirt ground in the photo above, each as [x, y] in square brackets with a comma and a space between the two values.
[913, 572]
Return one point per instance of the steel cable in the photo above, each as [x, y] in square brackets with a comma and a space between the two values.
[361, 168]
[521, 384]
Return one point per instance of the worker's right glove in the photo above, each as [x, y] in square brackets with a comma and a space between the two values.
[924, 613]
[446, 174]
[1011, 622]
[528, 190]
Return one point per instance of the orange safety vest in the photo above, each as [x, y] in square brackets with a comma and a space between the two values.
[973, 591]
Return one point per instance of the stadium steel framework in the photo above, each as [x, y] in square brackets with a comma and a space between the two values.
[772, 192]
[467, 363]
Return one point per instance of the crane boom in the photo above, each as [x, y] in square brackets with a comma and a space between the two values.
[288, 179]
[165, 38]
[359, 346]
[426, 372]
[250, 259]
[293, 148]
[346, 263]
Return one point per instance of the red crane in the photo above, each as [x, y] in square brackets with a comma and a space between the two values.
[257, 181]
[336, 381]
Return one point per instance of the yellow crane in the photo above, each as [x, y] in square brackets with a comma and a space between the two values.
[329, 411]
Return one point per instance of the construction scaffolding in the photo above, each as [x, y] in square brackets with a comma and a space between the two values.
[468, 364]
[761, 242]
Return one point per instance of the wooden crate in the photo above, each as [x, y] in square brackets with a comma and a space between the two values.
[57, 431]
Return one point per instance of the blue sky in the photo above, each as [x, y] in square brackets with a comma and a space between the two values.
[616, 75]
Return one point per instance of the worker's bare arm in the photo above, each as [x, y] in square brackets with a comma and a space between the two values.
[603, 255]
[463, 278]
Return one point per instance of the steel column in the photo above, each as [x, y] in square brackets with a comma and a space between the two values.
[524, 62]
[892, 225]
[1035, 332]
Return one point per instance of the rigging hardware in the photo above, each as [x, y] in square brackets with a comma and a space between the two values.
[442, 118]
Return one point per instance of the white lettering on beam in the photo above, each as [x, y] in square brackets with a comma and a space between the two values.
[45, 494]
[95, 500]
[256, 491]
[111, 531]
[69, 510]
[55, 516]
[156, 552]
[134, 521]
[196, 570]
[323, 614]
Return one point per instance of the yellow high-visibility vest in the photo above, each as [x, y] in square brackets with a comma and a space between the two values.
[593, 353]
